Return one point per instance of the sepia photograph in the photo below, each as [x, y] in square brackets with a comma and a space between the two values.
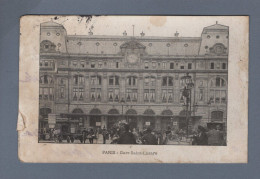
[133, 89]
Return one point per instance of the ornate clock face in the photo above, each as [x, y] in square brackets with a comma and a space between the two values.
[132, 58]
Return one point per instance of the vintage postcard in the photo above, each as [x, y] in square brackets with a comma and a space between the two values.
[133, 89]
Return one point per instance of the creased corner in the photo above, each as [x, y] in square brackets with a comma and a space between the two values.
[21, 121]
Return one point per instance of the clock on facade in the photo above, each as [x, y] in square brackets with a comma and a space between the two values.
[132, 58]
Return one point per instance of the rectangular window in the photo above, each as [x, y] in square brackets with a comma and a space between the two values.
[45, 93]
[40, 93]
[111, 80]
[189, 65]
[146, 65]
[128, 94]
[82, 64]
[92, 65]
[93, 94]
[116, 80]
[182, 67]
[40, 64]
[81, 80]
[116, 95]
[154, 65]
[152, 95]
[171, 65]
[217, 97]
[117, 64]
[153, 82]
[212, 65]
[170, 81]
[134, 94]
[164, 82]
[110, 94]
[146, 95]
[81, 91]
[99, 80]
[93, 80]
[223, 96]
[164, 65]
[146, 81]
[211, 96]
[170, 96]
[224, 66]
[164, 95]
[46, 63]
[218, 65]
[99, 64]
[98, 94]
[51, 94]
[75, 63]
[75, 94]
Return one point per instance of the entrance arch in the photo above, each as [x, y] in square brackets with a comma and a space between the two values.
[131, 115]
[113, 115]
[166, 119]
[149, 118]
[95, 117]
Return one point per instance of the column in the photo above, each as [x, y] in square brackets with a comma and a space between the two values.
[140, 123]
[87, 122]
[157, 123]
[103, 122]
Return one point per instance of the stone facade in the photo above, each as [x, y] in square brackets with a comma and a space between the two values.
[97, 80]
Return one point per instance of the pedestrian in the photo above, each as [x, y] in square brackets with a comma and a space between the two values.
[105, 135]
[215, 136]
[126, 137]
[91, 135]
[68, 139]
[201, 138]
[84, 135]
[149, 138]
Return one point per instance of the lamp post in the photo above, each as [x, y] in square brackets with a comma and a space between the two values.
[187, 94]
[209, 104]
[122, 101]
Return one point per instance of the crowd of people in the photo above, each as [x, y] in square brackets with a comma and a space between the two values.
[213, 136]
[121, 133]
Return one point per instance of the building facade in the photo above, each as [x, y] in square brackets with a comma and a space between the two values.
[96, 80]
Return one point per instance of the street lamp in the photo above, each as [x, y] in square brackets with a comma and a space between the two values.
[187, 94]
[122, 101]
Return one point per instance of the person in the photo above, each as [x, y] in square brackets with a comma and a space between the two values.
[68, 139]
[91, 135]
[215, 136]
[201, 138]
[84, 135]
[149, 138]
[105, 135]
[126, 137]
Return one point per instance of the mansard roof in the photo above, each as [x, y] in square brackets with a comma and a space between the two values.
[133, 44]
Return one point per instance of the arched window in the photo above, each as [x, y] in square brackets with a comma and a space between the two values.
[216, 116]
[149, 88]
[131, 89]
[218, 90]
[167, 89]
[77, 111]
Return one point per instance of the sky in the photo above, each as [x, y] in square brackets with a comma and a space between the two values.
[187, 26]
